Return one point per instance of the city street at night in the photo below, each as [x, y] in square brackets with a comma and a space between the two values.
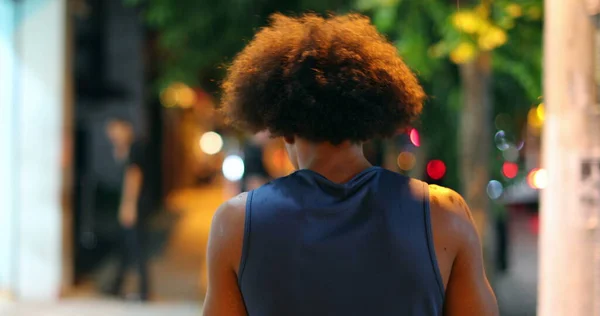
[178, 284]
[125, 124]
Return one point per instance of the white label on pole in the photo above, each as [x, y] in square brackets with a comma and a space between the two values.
[589, 196]
[589, 199]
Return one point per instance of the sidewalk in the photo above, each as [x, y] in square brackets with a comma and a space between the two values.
[97, 307]
[517, 289]
[178, 282]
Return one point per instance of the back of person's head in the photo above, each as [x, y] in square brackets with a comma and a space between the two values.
[119, 130]
[329, 79]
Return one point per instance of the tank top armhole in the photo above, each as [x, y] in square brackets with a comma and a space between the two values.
[246, 241]
[430, 242]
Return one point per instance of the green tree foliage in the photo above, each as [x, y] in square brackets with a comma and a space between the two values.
[428, 31]
[198, 37]
[434, 36]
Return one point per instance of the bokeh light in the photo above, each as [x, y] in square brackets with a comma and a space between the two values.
[233, 168]
[510, 169]
[275, 157]
[501, 141]
[464, 52]
[540, 112]
[280, 158]
[491, 38]
[436, 169]
[503, 121]
[467, 21]
[178, 94]
[168, 97]
[534, 119]
[186, 96]
[534, 13]
[211, 143]
[415, 139]
[538, 178]
[511, 154]
[277, 162]
[514, 10]
[494, 189]
[406, 160]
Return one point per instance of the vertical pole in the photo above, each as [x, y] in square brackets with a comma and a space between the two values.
[571, 156]
[8, 60]
[40, 103]
[475, 147]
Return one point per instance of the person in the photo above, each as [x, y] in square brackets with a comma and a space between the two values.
[255, 173]
[136, 203]
[338, 236]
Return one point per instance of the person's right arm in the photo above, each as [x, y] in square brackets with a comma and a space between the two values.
[223, 297]
[132, 184]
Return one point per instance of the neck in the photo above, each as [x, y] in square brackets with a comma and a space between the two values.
[338, 163]
[121, 152]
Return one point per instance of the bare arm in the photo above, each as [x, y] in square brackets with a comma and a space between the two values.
[223, 296]
[468, 291]
[132, 185]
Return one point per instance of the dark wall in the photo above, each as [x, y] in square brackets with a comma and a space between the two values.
[110, 81]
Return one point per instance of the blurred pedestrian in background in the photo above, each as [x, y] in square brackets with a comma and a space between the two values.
[255, 171]
[138, 200]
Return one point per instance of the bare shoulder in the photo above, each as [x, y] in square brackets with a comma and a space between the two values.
[233, 206]
[229, 215]
[227, 230]
[449, 206]
[468, 291]
[451, 216]
[452, 226]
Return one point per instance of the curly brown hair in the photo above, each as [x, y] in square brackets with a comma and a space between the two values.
[323, 79]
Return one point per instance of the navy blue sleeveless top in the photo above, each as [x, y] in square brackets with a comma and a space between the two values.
[365, 247]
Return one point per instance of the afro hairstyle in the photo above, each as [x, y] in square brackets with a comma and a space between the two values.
[324, 79]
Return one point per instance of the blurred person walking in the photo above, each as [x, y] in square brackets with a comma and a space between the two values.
[255, 171]
[138, 200]
[339, 236]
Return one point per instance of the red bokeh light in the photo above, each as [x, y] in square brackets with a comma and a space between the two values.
[436, 169]
[414, 137]
[510, 169]
[534, 224]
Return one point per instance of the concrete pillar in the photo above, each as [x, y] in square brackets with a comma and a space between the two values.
[7, 146]
[569, 275]
[32, 100]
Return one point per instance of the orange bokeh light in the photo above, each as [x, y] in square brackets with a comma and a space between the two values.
[538, 178]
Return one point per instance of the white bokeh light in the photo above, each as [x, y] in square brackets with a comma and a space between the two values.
[233, 168]
[494, 189]
[211, 143]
